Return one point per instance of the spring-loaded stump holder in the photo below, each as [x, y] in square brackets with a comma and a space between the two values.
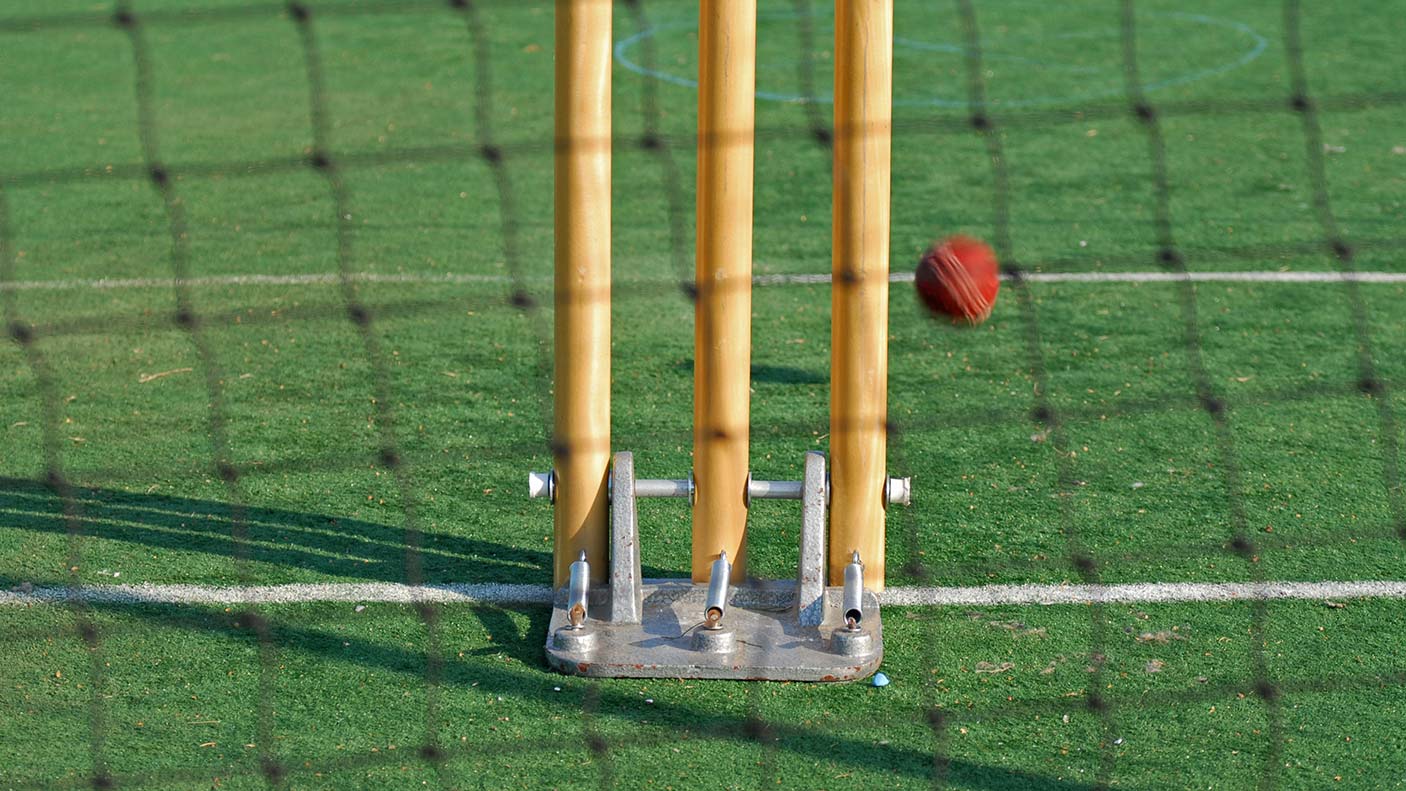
[797, 630]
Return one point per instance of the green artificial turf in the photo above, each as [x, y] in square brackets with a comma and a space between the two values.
[131, 402]
[348, 701]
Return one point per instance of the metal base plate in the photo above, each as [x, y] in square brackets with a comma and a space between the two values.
[769, 642]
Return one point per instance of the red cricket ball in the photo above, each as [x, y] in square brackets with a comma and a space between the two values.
[959, 277]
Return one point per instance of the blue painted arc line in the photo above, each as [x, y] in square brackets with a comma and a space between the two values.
[958, 49]
[1259, 44]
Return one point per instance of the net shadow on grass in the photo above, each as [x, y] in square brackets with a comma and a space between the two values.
[1045, 412]
[223, 530]
[609, 704]
[318, 543]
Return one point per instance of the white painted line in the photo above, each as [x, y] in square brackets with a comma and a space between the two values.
[518, 594]
[306, 279]
[1143, 593]
[332, 279]
[806, 279]
[298, 593]
[1211, 277]
[1130, 277]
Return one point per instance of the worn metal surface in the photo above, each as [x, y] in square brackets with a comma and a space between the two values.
[811, 574]
[851, 643]
[575, 640]
[775, 490]
[770, 641]
[664, 487]
[625, 601]
[899, 491]
[714, 641]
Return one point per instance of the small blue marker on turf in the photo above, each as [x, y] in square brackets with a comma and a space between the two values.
[881, 680]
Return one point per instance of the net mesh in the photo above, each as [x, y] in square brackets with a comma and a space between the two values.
[662, 172]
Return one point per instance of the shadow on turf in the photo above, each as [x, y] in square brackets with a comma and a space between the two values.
[313, 542]
[773, 374]
[613, 700]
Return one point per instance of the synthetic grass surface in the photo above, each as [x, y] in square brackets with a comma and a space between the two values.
[127, 396]
[1177, 704]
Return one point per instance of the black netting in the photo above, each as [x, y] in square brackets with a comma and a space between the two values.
[979, 130]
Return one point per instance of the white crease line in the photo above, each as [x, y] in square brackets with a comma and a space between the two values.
[518, 594]
[307, 279]
[1209, 277]
[1143, 593]
[145, 593]
[1131, 277]
[332, 279]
